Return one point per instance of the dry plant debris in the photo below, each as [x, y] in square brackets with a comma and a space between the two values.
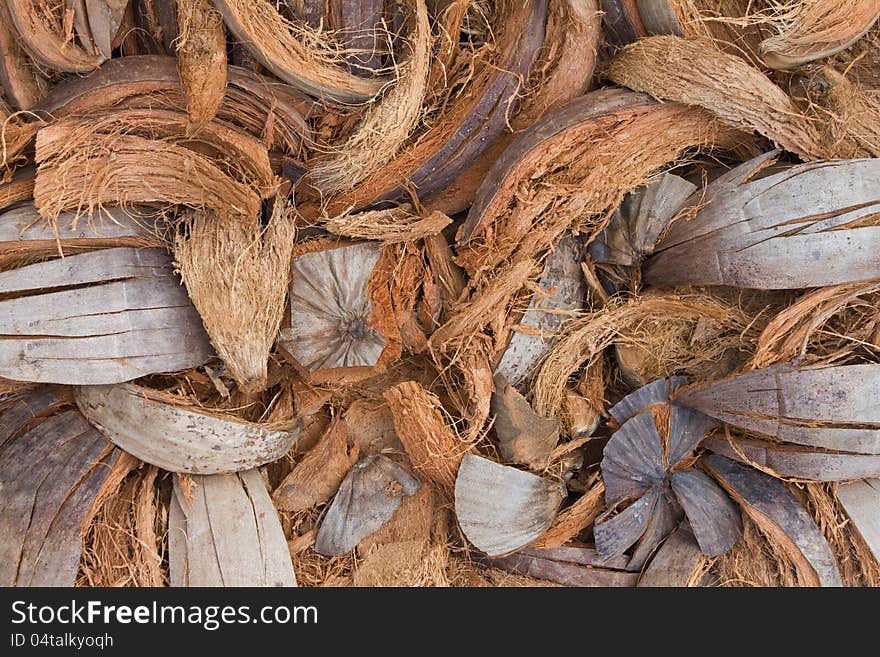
[430, 293]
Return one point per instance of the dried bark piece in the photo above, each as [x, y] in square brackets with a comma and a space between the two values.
[317, 476]
[335, 324]
[772, 233]
[22, 84]
[831, 407]
[691, 71]
[201, 56]
[547, 312]
[861, 500]
[295, 53]
[231, 264]
[637, 224]
[46, 505]
[501, 509]
[26, 237]
[387, 125]
[678, 562]
[777, 512]
[433, 448]
[367, 498]
[125, 317]
[473, 119]
[523, 436]
[42, 36]
[569, 566]
[815, 29]
[798, 462]
[143, 422]
[225, 532]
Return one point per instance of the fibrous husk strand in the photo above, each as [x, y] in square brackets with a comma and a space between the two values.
[243, 266]
[201, 57]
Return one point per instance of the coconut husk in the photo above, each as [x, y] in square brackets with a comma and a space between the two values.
[563, 70]
[778, 514]
[387, 124]
[18, 188]
[144, 423]
[471, 120]
[847, 516]
[295, 53]
[252, 102]
[201, 56]
[690, 71]
[317, 476]
[233, 264]
[826, 407]
[523, 436]
[362, 27]
[523, 207]
[678, 562]
[22, 83]
[469, 383]
[850, 114]
[125, 541]
[434, 449]
[662, 324]
[42, 35]
[371, 421]
[757, 560]
[367, 498]
[87, 173]
[815, 29]
[391, 226]
[568, 566]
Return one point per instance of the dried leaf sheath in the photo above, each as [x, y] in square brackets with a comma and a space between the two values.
[201, 55]
[237, 264]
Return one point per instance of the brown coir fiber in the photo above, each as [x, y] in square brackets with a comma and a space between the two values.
[690, 71]
[237, 275]
[124, 544]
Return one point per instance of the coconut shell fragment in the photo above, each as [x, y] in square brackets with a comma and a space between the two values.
[96, 318]
[367, 498]
[523, 436]
[47, 504]
[777, 512]
[224, 531]
[500, 508]
[808, 226]
[334, 324]
[178, 439]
